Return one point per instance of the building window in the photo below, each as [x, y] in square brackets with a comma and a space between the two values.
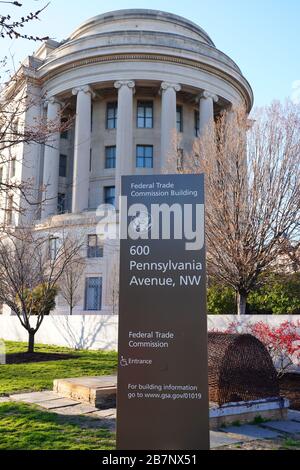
[61, 203]
[93, 294]
[110, 157]
[144, 156]
[64, 133]
[110, 195]
[111, 115]
[95, 249]
[179, 119]
[145, 115]
[53, 248]
[15, 128]
[9, 210]
[13, 167]
[63, 166]
[197, 123]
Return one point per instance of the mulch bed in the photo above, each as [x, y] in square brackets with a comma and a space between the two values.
[28, 358]
[290, 388]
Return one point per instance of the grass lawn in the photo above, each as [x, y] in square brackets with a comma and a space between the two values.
[25, 427]
[37, 376]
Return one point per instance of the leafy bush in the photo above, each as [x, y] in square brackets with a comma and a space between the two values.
[279, 295]
[41, 299]
[221, 300]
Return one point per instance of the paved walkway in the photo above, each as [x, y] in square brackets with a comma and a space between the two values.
[53, 403]
[229, 436]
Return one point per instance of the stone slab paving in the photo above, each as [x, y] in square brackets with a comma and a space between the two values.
[288, 427]
[220, 439]
[57, 403]
[76, 410]
[252, 432]
[105, 414]
[35, 397]
[294, 415]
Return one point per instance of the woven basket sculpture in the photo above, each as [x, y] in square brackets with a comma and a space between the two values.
[240, 369]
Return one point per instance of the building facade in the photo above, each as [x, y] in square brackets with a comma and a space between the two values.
[131, 78]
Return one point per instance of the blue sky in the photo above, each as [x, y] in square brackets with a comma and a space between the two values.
[262, 36]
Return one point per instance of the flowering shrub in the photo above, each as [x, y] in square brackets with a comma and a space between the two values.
[282, 342]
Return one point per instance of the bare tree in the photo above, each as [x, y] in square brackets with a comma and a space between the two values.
[21, 122]
[290, 256]
[71, 281]
[252, 171]
[31, 266]
[13, 27]
[16, 131]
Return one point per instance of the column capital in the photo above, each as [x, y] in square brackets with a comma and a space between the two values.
[52, 100]
[85, 89]
[120, 83]
[165, 85]
[208, 95]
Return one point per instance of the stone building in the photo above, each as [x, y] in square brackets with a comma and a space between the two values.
[131, 77]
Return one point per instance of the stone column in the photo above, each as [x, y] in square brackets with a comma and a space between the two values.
[82, 147]
[206, 110]
[124, 152]
[51, 161]
[168, 126]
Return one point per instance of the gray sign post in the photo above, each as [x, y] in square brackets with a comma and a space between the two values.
[162, 398]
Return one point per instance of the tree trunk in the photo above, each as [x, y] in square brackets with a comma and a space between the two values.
[70, 310]
[31, 341]
[241, 303]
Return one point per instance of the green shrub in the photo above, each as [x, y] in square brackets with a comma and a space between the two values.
[41, 299]
[221, 300]
[279, 295]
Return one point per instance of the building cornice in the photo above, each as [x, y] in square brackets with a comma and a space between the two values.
[22, 78]
[241, 84]
[123, 38]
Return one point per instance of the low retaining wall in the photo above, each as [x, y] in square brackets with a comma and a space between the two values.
[78, 331]
[101, 331]
[222, 322]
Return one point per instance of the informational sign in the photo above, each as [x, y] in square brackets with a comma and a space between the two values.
[162, 398]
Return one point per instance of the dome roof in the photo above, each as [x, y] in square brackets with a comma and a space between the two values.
[130, 41]
[141, 19]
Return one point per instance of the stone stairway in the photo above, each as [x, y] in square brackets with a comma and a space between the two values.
[99, 391]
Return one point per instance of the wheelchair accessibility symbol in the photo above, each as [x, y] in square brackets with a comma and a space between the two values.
[123, 362]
